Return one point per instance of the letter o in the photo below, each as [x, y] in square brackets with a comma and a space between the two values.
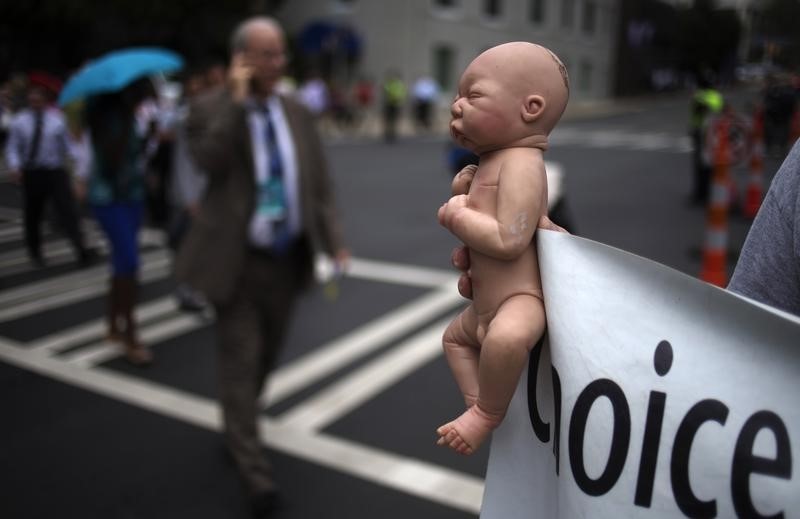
[620, 438]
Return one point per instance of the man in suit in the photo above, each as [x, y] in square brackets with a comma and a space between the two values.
[267, 210]
[38, 150]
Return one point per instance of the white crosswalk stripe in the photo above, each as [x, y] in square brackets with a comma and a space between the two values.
[74, 355]
[93, 330]
[155, 268]
[351, 391]
[105, 350]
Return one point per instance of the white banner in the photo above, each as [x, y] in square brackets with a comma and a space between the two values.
[657, 396]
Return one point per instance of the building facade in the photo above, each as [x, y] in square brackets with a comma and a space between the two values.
[438, 38]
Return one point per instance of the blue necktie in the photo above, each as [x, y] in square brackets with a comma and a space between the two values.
[277, 186]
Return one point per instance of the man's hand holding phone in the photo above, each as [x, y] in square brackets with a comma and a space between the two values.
[240, 74]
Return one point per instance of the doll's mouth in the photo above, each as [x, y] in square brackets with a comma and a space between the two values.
[455, 133]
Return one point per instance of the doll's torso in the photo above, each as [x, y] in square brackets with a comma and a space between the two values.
[494, 280]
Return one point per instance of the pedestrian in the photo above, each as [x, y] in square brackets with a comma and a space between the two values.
[188, 184]
[509, 100]
[313, 93]
[706, 102]
[267, 209]
[394, 95]
[768, 269]
[425, 93]
[38, 149]
[158, 115]
[113, 185]
[363, 97]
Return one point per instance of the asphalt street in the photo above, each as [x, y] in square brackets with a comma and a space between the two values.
[350, 413]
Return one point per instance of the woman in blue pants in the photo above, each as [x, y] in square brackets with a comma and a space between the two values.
[113, 185]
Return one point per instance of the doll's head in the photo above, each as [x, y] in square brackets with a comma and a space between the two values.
[511, 95]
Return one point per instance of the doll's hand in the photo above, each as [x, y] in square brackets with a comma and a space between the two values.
[463, 180]
[450, 209]
[460, 260]
[547, 224]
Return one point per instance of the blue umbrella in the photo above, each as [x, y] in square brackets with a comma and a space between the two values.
[114, 71]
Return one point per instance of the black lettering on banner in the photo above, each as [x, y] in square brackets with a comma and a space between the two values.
[662, 362]
[620, 437]
[652, 437]
[746, 463]
[556, 416]
[540, 427]
[704, 411]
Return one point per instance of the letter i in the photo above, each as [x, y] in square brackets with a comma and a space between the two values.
[652, 429]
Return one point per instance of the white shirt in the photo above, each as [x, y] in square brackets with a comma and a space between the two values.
[55, 144]
[260, 231]
[314, 94]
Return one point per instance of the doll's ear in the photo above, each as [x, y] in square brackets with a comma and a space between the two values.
[532, 108]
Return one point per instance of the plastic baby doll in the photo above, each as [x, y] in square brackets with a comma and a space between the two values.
[509, 99]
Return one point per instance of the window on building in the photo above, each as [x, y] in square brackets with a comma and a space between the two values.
[493, 8]
[536, 12]
[443, 57]
[585, 76]
[567, 13]
[589, 18]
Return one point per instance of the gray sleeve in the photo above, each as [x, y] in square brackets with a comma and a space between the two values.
[768, 269]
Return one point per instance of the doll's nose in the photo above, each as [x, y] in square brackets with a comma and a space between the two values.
[455, 108]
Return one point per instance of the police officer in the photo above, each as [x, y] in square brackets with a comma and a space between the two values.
[706, 102]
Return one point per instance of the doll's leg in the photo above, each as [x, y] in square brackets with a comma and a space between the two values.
[519, 323]
[462, 351]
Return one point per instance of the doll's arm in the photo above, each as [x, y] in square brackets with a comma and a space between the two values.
[463, 180]
[521, 195]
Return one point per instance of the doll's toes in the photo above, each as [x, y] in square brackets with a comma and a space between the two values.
[451, 437]
[464, 449]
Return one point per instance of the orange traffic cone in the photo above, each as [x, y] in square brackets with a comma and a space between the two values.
[755, 184]
[714, 268]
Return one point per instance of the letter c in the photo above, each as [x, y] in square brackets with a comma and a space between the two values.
[701, 412]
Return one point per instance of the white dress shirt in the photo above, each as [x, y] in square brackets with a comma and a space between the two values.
[55, 145]
[261, 227]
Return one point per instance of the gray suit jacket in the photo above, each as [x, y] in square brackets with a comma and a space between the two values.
[211, 258]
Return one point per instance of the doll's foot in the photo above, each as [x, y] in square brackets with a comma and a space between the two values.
[467, 432]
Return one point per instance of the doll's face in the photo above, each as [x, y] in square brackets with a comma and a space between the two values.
[485, 113]
[508, 94]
